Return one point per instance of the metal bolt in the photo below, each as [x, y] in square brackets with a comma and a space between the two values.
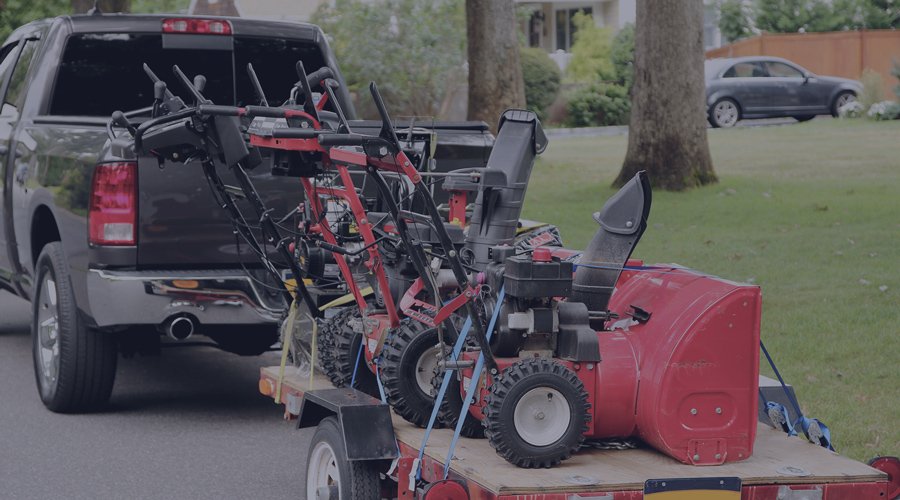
[718, 456]
[719, 411]
[383, 151]
[452, 253]
[590, 366]
[696, 457]
[629, 224]
[693, 411]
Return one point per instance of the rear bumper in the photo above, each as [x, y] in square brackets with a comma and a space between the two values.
[150, 297]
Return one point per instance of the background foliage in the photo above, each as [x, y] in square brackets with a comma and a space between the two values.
[415, 50]
[542, 78]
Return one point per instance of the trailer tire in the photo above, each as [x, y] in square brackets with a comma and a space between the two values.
[410, 355]
[536, 413]
[448, 412]
[74, 365]
[327, 458]
[339, 347]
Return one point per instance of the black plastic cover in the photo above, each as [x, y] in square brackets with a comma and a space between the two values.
[576, 340]
[527, 279]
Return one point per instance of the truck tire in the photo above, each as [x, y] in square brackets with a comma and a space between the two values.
[411, 353]
[536, 413]
[328, 472]
[448, 412]
[339, 349]
[74, 365]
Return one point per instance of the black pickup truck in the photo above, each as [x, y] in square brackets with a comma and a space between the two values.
[114, 256]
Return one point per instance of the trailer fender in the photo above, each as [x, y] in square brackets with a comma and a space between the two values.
[365, 422]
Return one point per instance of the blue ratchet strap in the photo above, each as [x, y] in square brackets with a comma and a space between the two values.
[448, 374]
[362, 345]
[814, 430]
[470, 390]
[779, 416]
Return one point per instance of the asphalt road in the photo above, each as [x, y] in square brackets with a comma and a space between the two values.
[188, 424]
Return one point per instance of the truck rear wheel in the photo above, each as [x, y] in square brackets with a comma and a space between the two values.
[330, 476]
[74, 366]
[536, 413]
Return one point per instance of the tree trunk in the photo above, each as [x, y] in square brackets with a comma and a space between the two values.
[495, 74]
[667, 132]
[106, 6]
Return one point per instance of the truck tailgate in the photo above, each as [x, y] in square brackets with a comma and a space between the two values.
[182, 226]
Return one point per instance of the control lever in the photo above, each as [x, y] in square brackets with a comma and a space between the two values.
[121, 120]
[198, 95]
[159, 96]
[257, 87]
[199, 83]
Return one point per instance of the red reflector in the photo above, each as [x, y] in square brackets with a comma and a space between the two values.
[196, 26]
[112, 214]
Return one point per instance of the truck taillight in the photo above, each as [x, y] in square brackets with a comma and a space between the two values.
[112, 214]
[196, 26]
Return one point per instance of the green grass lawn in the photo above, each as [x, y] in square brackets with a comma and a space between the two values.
[811, 213]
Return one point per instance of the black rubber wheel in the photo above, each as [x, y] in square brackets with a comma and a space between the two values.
[448, 413]
[804, 118]
[724, 113]
[330, 475]
[526, 421]
[339, 350]
[840, 100]
[411, 354]
[74, 366]
[243, 340]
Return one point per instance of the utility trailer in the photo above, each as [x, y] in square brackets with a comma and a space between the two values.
[781, 468]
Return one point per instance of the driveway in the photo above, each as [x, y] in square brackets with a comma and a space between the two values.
[187, 424]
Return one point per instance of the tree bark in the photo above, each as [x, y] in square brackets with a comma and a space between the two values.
[106, 6]
[495, 74]
[667, 131]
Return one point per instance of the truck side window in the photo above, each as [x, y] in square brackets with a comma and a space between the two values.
[15, 94]
[7, 59]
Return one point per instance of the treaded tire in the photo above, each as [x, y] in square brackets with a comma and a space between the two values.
[835, 108]
[448, 413]
[514, 383]
[358, 479]
[338, 351]
[87, 358]
[403, 382]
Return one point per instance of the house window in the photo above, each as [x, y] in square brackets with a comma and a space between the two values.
[565, 26]
[535, 26]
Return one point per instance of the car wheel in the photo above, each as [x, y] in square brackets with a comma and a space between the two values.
[74, 365]
[725, 113]
[804, 118]
[842, 99]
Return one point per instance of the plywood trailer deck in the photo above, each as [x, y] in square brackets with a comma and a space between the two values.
[781, 468]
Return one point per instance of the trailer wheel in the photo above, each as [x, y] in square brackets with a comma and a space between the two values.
[330, 476]
[448, 412]
[74, 365]
[411, 353]
[339, 349]
[536, 413]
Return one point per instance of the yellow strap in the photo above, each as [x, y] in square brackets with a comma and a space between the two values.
[285, 347]
[346, 299]
[313, 353]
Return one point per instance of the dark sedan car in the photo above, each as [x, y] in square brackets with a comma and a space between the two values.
[767, 87]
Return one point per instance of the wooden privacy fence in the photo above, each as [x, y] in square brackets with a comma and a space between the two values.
[839, 53]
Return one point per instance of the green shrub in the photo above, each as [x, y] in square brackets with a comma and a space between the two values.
[542, 78]
[599, 104]
[872, 88]
[622, 55]
[591, 52]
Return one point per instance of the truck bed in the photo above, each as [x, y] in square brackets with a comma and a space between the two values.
[777, 459]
